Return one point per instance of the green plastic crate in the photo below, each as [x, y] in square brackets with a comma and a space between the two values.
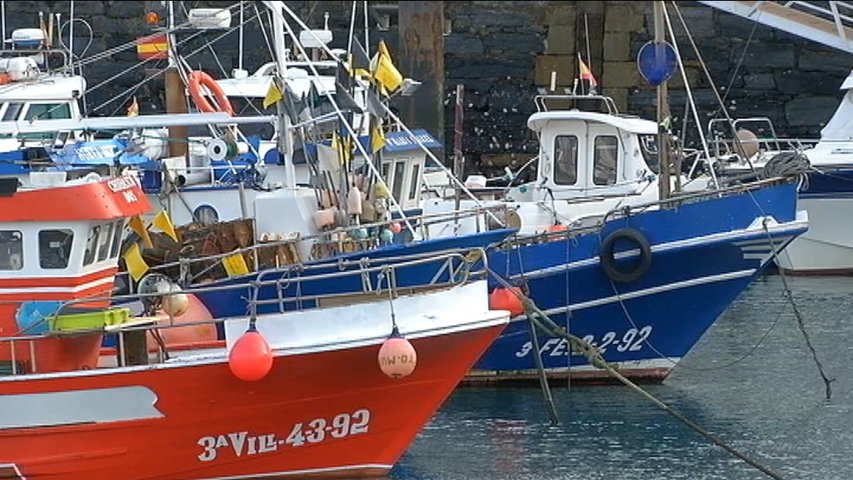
[89, 320]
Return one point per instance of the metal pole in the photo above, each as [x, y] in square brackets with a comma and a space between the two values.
[240, 44]
[662, 109]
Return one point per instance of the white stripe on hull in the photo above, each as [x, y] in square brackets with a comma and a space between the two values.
[99, 405]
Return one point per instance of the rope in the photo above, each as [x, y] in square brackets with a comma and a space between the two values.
[786, 164]
[827, 382]
[594, 357]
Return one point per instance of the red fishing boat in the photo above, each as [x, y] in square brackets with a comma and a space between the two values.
[323, 392]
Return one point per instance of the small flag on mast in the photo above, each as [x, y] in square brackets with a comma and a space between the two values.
[586, 73]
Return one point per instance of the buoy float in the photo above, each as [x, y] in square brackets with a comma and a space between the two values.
[250, 358]
[175, 304]
[395, 227]
[386, 235]
[507, 299]
[397, 356]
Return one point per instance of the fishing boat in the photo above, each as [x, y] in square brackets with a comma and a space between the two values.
[338, 390]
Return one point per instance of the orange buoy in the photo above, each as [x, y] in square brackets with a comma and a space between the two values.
[395, 227]
[556, 228]
[507, 299]
[397, 356]
[151, 18]
[250, 358]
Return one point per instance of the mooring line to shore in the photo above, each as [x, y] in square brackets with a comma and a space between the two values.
[827, 382]
[541, 320]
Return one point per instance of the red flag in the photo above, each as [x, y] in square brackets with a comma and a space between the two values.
[585, 73]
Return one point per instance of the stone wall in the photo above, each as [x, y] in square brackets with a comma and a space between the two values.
[504, 52]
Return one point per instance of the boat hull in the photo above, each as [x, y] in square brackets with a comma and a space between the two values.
[703, 255]
[326, 414]
[827, 248]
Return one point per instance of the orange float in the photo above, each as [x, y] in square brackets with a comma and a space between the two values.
[195, 81]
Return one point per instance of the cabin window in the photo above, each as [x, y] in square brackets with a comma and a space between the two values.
[119, 229]
[55, 248]
[604, 160]
[399, 178]
[104, 242]
[566, 160]
[413, 186]
[649, 149]
[11, 250]
[91, 245]
[48, 111]
[12, 111]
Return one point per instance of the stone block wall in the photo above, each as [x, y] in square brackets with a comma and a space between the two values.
[504, 52]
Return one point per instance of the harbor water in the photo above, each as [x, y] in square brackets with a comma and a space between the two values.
[751, 381]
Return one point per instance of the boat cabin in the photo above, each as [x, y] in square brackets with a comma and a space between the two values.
[586, 153]
[59, 242]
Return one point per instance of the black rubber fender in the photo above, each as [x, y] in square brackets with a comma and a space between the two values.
[608, 261]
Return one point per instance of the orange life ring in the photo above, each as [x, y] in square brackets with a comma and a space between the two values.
[196, 80]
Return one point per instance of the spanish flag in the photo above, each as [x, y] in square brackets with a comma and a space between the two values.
[133, 109]
[155, 47]
[585, 73]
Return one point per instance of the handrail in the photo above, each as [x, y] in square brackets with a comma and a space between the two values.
[542, 106]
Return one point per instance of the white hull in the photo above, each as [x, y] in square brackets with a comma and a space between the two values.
[827, 247]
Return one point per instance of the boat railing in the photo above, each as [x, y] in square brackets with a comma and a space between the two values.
[451, 268]
[545, 103]
[188, 276]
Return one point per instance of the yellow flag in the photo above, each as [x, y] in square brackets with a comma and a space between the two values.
[386, 73]
[136, 265]
[383, 49]
[162, 222]
[377, 138]
[138, 226]
[273, 95]
[235, 265]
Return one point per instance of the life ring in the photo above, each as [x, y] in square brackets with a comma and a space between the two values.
[608, 261]
[195, 81]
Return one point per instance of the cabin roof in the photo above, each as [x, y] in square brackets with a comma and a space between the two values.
[44, 88]
[538, 121]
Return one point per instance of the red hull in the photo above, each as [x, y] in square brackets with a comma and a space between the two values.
[354, 420]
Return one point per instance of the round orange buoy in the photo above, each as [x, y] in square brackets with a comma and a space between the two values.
[203, 331]
[151, 18]
[397, 356]
[507, 299]
[250, 358]
[395, 227]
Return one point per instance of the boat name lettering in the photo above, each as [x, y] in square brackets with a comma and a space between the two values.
[95, 152]
[120, 183]
[315, 431]
[631, 341]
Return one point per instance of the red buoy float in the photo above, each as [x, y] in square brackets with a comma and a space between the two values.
[250, 358]
[507, 299]
[397, 356]
[395, 227]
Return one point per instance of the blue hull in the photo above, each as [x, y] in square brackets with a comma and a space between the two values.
[703, 257]
[704, 254]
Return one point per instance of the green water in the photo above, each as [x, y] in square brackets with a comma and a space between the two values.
[750, 380]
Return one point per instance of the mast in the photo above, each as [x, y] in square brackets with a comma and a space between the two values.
[663, 115]
[176, 102]
[284, 142]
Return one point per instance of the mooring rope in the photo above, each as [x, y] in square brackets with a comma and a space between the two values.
[827, 382]
[594, 357]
